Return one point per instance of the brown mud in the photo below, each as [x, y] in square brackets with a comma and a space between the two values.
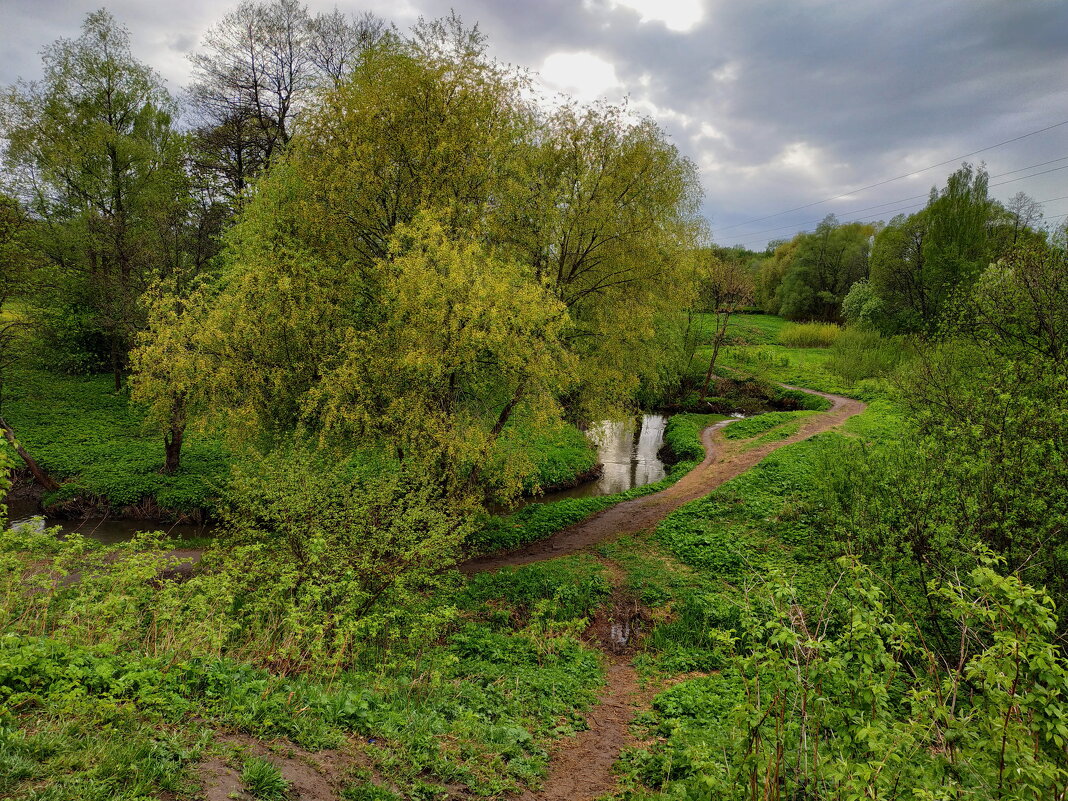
[312, 776]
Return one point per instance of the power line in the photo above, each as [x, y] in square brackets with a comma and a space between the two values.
[914, 197]
[899, 177]
[918, 205]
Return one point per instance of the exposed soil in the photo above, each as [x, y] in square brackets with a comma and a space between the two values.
[723, 461]
[581, 766]
[312, 776]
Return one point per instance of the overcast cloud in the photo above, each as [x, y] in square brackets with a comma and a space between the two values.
[779, 103]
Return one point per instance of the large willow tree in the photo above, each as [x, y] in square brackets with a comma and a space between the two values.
[434, 258]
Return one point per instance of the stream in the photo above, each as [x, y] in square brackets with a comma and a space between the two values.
[107, 530]
[627, 449]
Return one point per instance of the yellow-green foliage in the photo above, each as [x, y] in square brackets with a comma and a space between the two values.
[809, 335]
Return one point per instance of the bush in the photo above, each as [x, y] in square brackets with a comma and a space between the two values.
[809, 335]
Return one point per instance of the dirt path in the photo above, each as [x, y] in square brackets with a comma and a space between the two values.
[581, 766]
[723, 461]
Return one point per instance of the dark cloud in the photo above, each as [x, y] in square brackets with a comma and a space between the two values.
[780, 104]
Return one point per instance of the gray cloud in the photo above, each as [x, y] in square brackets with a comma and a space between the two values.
[780, 104]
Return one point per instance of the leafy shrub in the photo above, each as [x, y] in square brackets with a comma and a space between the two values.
[809, 335]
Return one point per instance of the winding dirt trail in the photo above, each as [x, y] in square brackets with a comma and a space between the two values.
[724, 460]
[581, 766]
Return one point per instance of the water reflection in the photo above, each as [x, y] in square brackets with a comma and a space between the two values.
[628, 450]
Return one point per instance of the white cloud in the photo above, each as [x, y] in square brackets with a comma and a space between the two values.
[583, 75]
[677, 15]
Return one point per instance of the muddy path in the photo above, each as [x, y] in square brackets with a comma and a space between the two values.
[581, 767]
[724, 459]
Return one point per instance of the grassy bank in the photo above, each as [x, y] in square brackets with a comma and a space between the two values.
[98, 704]
[95, 442]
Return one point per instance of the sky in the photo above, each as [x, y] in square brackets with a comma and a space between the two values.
[780, 103]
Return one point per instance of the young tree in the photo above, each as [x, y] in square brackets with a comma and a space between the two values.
[726, 286]
[96, 158]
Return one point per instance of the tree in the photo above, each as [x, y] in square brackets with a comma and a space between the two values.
[336, 42]
[771, 271]
[169, 372]
[19, 261]
[428, 169]
[901, 276]
[726, 287]
[956, 248]
[464, 344]
[97, 162]
[825, 264]
[1025, 213]
[606, 213]
[257, 70]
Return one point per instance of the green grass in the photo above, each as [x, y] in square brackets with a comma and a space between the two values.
[753, 426]
[263, 780]
[81, 431]
[476, 710]
[755, 329]
[94, 440]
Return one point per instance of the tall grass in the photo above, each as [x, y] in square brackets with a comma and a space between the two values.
[858, 354]
[809, 335]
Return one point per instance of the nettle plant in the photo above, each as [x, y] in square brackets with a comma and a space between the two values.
[854, 704]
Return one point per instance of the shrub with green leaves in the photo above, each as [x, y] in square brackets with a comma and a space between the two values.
[846, 700]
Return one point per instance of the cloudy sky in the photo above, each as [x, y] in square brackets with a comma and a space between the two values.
[780, 103]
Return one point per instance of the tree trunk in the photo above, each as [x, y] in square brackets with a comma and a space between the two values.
[172, 445]
[39, 475]
[172, 438]
[721, 334]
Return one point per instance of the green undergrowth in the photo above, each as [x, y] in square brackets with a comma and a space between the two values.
[94, 441]
[476, 711]
[85, 434]
[716, 555]
[539, 520]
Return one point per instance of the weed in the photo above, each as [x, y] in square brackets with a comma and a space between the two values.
[263, 780]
